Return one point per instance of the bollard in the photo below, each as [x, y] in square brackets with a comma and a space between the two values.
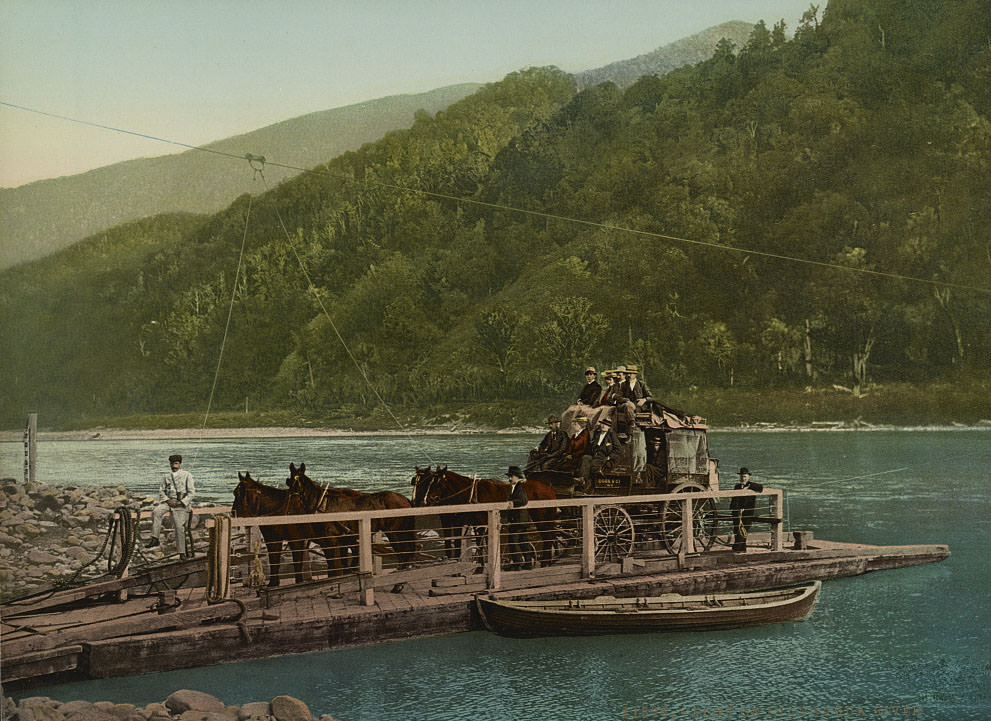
[802, 539]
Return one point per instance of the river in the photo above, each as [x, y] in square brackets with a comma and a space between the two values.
[907, 643]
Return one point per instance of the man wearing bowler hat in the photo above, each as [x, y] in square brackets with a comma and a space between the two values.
[175, 494]
[517, 517]
[742, 508]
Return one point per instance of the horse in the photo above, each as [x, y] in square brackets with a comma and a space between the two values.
[400, 530]
[447, 488]
[252, 499]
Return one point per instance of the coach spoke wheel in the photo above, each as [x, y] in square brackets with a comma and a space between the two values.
[705, 522]
[614, 534]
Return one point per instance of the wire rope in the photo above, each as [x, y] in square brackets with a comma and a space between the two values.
[522, 211]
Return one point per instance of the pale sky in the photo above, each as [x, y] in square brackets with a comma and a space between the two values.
[196, 71]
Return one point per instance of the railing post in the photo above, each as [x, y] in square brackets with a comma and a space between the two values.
[777, 528]
[493, 562]
[687, 530]
[588, 541]
[365, 560]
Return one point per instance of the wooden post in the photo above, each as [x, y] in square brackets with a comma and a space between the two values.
[588, 541]
[493, 576]
[31, 449]
[777, 529]
[687, 531]
[365, 559]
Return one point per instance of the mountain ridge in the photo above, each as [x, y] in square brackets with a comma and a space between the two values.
[44, 216]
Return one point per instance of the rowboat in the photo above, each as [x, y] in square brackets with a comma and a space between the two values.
[667, 612]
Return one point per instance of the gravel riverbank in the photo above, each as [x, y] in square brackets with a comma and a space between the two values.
[52, 535]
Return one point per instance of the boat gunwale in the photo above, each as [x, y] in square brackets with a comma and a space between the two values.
[541, 607]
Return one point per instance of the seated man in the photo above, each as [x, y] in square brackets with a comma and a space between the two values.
[588, 399]
[551, 449]
[603, 447]
[655, 472]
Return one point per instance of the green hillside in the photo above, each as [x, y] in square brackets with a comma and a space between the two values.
[43, 217]
[860, 145]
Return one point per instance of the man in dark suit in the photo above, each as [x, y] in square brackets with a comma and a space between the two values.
[588, 399]
[603, 447]
[742, 508]
[518, 518]
[552, 448]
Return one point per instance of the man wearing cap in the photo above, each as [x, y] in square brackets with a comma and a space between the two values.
[588, 398]
[742, 508]
[551, 450]
[175, 495]
[603, 447]
[517, 517]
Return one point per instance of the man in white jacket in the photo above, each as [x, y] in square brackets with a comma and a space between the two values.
[176, 496]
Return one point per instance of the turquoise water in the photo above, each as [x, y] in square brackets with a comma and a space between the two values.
[907, 643]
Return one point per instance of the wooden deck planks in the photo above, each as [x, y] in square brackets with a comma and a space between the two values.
[320, 621]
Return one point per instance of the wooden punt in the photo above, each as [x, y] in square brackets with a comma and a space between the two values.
[668, 612]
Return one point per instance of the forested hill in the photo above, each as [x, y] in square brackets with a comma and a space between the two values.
[862, 144]
[43, 217]
[687, 51]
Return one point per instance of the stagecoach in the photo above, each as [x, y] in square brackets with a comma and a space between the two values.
[678, 461]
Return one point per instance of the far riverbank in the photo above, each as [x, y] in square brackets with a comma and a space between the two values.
[936, 405]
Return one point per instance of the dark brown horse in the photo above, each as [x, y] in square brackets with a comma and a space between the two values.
[444, 487]
[252, 499]
[319, 499]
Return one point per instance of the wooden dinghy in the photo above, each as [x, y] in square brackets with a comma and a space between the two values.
[668, 612]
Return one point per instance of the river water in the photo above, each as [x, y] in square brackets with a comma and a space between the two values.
[906, 643]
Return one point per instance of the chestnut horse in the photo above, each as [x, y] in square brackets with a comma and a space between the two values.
[444, 487]
[252, 499]
[317, 499]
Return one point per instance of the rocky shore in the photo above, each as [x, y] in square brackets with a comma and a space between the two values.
[51, 535]
[183, 705]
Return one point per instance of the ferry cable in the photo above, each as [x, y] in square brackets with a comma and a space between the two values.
[511, 209]
[230, 308]
[333, 325]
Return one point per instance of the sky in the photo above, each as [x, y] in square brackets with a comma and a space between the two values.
[195, 71]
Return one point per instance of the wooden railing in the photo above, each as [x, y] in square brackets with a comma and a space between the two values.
[580, 512]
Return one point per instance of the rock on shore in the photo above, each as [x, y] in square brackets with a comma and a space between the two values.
[53, 534]
[182, 705]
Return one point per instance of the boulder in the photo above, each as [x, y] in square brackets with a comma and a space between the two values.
[123, 710]
[91, 714]
[186, 700]
[36, 555]
[70, 707]
[287, 708]
[39, 708]
[156, 711]
[255, 709]
[193, 715]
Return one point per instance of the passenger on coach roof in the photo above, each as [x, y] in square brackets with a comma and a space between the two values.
[588, 399]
